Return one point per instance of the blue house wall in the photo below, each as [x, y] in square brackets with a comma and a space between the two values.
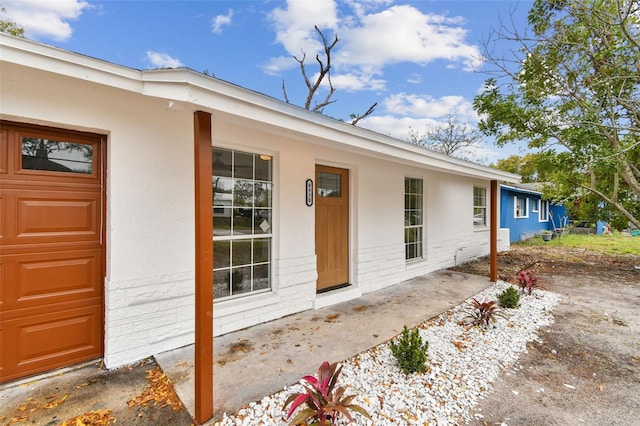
[530, 222]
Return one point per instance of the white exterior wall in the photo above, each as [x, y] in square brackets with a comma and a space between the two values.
[377, 255]
[149, 283]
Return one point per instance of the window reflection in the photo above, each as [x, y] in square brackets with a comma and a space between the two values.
[56, 156]
[329, 184]
[242, 222]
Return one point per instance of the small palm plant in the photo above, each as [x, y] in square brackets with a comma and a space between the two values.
[324, 401]
[483, 312]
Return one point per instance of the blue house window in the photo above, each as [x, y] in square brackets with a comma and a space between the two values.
[543, 211]
[521, 207]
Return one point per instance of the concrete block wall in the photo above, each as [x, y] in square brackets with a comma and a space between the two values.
[293, 290]
[378, 267]
[147, 315]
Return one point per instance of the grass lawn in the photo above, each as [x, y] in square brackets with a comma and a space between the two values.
[607, 244]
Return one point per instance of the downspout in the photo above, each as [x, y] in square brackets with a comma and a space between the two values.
[204, 268]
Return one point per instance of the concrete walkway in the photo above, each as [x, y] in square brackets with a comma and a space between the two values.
[261, 360]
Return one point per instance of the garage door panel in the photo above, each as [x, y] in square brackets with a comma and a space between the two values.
[44, 342]
[3, 219]
[73, 333]
[58, 216]
[4, 151]
[47, 278]
[52, 254]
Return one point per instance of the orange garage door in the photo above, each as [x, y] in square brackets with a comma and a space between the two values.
[51, 249]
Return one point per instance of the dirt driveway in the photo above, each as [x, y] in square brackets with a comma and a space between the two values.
[585, 368]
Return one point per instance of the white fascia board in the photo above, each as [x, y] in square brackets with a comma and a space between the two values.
[191, 90]
[239, 104]
[59, 61]
[525, 191]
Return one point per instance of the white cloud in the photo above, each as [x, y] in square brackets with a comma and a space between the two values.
[162, 60]
[220, 21]
[45, 18]
[294, 25]
[358, 80]
[397, 127]
[372, 37]
[400, 128]
[415, 105]
[414, 78]
[405, 34]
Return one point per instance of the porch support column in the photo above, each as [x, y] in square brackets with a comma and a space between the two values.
[493, 233]
[204, 268]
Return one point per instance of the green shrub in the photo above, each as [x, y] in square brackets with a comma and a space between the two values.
[410, 352]
[509, 298]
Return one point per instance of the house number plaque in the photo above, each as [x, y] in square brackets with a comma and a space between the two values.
[309, 192]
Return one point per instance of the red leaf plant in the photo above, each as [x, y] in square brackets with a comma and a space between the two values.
[527, 282]
[483, 312]
[324, 401]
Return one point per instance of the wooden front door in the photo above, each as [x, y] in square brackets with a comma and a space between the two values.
[332, 226]
[51, 254]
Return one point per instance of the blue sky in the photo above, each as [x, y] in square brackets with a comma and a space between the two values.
[418, 60]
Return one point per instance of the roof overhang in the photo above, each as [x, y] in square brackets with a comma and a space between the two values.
[187, 89]
[517, 188]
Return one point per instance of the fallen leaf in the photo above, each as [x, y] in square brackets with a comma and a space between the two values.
[92, 418]
[159, 390]
[55, 403]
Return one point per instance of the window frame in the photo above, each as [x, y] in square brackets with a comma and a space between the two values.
[254, 243]
[418, 244]
[545, 211]
[525, 214]
[478, 206]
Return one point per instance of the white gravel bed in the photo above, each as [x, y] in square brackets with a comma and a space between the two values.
[462, 364]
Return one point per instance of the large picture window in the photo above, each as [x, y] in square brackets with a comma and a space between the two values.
[479, 206]
[242, 222]
[413, 218]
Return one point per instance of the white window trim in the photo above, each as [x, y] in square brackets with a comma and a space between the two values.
[515, 207]
[421, 257]
[486, 209]
[540, 212]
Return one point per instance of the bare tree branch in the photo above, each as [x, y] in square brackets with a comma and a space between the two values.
[359, 117]
[284, 92]
[324, 74]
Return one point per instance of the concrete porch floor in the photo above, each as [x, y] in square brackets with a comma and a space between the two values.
[261, 360]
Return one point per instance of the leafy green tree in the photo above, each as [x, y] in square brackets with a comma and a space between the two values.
[573, 89]
[8, 26]
[529, 166]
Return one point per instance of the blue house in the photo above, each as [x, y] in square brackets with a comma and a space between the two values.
[525, 213]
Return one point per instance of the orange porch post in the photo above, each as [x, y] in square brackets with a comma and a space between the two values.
[493, 231]
[204, 268]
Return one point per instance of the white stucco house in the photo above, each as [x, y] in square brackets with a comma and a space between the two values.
[99, 195]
